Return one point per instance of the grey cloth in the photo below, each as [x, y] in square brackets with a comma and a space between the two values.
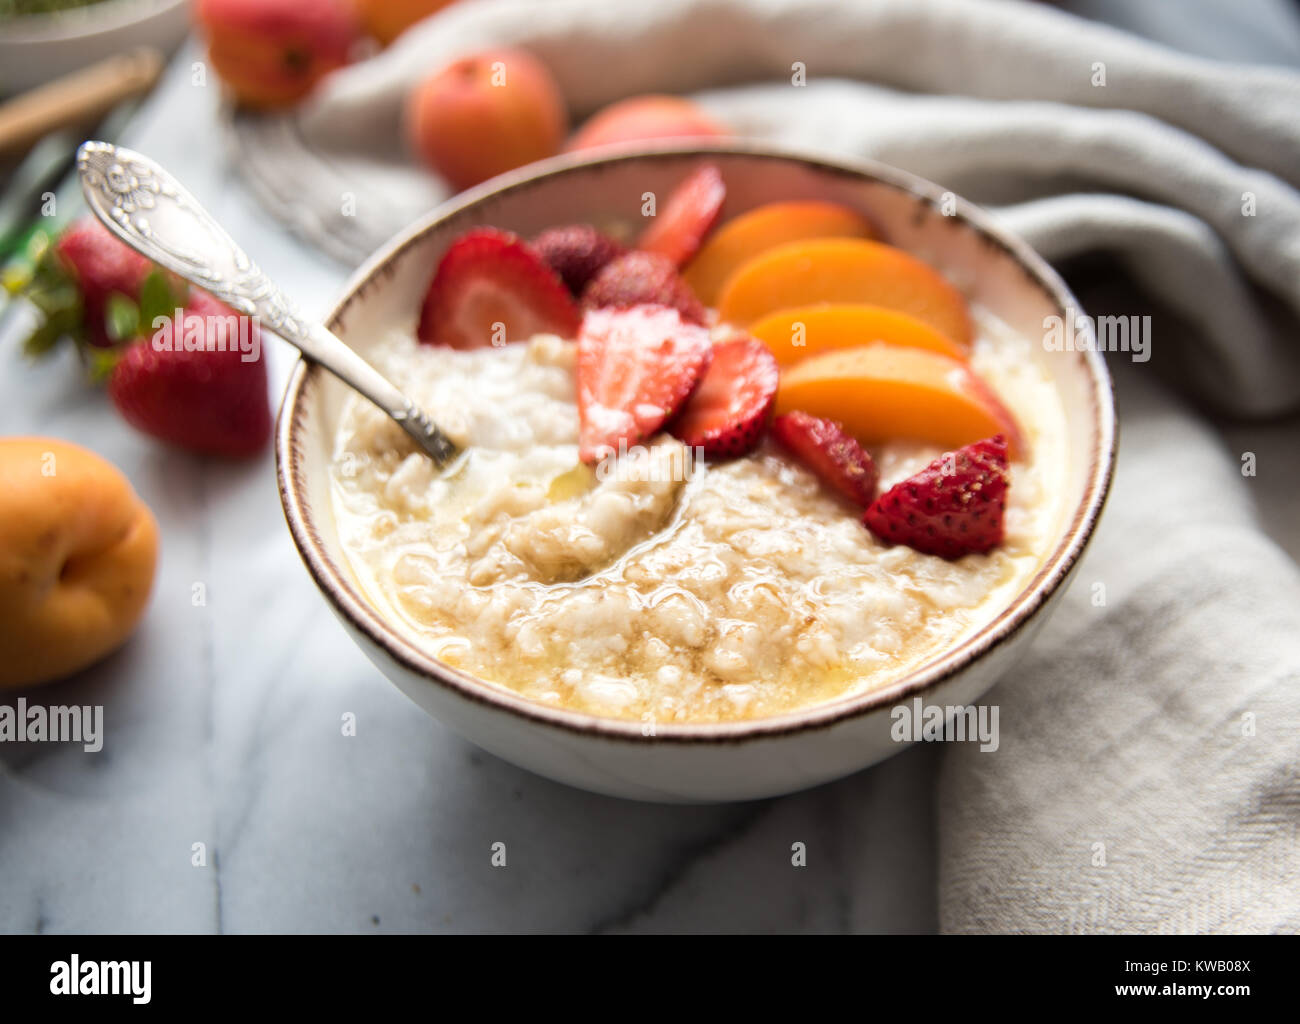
[1146, 778]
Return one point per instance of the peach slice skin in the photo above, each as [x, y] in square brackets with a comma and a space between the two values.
[766, 227]
[838, 270]
[846, 325]
[881, 392]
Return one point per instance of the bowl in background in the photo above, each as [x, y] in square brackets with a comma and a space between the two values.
[36, 48]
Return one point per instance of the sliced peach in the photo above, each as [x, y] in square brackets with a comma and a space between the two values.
[765, 227]
[881, 392]
[844, 270]
[796, 334]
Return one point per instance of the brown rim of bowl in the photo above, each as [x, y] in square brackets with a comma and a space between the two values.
[338, 586]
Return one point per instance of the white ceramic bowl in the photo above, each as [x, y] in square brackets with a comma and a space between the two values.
[707, 762]
[36, 48]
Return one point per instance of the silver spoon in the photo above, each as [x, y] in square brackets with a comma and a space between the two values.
[152, 212]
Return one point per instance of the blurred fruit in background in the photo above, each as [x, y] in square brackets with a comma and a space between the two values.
[205, 390]
[643, 118]
[388, 19]
[99, 267]
[271, 53]
[485, 114]
[207, 395]
[87, 286]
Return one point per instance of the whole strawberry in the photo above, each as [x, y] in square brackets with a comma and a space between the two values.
[101, 266]
[576, 252]
[196, 386]
[951, 508]
[642, 278]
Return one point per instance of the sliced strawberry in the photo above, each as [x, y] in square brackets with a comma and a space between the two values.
[688, 214]
[636, 367]
[643, 278]
[197, 389]
[953, 507]
[491, 287]
[826, 448]
[576, 252]
[730, 409]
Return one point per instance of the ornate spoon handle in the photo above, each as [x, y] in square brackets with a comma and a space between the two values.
[153, 213]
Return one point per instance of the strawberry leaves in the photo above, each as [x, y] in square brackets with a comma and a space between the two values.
[43, 278]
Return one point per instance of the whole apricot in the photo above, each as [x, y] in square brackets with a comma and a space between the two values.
[271, 53]
[642, 118]
[485, 114]
[77, 556]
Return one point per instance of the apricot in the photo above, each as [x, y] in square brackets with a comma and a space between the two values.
[879, 392]
[486, 114]
[796, 334]
[78, 551]
[388, 19]
[271, 53]
[642, 118]
[844, 270]
[765, 227]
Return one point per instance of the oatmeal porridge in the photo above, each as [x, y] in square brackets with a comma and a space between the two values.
[659, 585]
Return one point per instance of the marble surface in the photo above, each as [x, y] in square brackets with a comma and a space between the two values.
[223, 727]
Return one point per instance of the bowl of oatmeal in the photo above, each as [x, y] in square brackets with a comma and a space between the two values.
[772, 447]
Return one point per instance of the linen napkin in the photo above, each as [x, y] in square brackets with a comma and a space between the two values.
[1146, 778]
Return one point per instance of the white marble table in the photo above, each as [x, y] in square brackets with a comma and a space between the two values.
[223, 728]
